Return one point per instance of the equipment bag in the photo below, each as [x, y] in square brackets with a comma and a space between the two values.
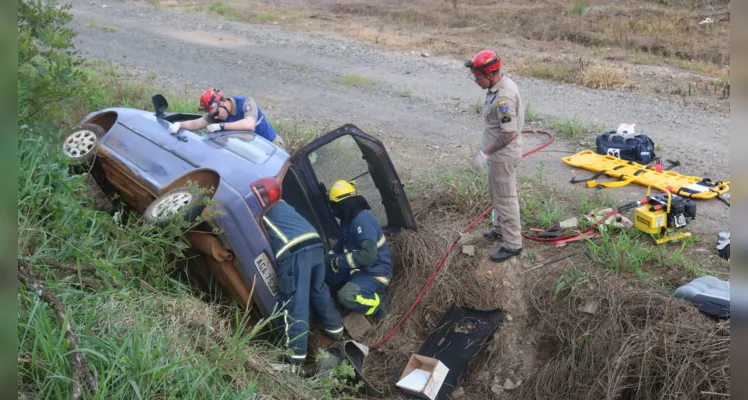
[638, 148]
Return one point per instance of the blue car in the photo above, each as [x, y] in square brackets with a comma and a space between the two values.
[130, 153]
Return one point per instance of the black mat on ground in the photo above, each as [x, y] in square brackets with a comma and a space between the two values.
[457, 339]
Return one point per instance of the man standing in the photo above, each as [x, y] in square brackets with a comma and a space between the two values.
[229, 113]
[504, 116]
[300, 267]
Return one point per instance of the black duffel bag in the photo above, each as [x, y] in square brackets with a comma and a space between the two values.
[638, 148]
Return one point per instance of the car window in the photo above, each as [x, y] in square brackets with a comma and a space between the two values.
[247, 146]
[343, 159]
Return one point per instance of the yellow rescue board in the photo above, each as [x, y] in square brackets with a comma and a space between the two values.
[628, 171]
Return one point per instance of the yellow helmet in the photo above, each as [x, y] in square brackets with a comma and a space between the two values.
[342, 190]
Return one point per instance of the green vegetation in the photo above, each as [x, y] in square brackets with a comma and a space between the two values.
[570, 128]
[235, 14]
[103, 311]
[354, 80]
[530, 113]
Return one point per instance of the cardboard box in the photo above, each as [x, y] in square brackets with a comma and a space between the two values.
[423, 377]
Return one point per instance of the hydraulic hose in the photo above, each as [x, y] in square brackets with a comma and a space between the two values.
[452, 246]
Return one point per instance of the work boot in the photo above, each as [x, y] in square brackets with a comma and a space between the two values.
[491, 235]
[382, 310]
[503, 254]
[334, 334]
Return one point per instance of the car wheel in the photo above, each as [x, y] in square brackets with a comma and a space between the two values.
[80, 146]
[183, 199]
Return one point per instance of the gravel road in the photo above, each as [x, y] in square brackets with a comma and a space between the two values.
[292, 73]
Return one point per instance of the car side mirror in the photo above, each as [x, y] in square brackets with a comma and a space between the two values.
[159, 104]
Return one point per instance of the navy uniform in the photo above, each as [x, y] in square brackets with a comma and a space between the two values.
[300, 267]
[242, 107]
[360, 265]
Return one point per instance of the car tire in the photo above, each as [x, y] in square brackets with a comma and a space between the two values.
[179, 199]
[81, 146]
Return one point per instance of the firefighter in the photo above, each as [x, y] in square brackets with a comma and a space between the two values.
[300, 268]
[229, 113]
[359, 266]
[504, 116]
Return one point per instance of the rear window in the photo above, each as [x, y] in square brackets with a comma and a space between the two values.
[247, 146]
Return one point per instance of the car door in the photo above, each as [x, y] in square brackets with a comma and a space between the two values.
[348, 153]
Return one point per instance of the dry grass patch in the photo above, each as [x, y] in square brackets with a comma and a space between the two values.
[603, 76]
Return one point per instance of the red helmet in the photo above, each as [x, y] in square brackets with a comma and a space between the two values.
[209, 97]
[484, 62]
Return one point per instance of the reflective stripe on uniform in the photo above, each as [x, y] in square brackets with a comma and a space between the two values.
[373, 303]
[275, 229]
[349, 258]
[381, 242]
[295, 241]
[298, 357]
[382, 279]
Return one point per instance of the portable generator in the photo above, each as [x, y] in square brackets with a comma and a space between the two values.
[663, 214]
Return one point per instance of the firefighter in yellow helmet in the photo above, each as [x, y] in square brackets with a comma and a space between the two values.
[359, 266]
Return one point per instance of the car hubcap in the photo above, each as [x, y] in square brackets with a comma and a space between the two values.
[171, 204]
[80, 143]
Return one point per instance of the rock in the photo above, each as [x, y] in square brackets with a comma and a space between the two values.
[497, 389]
[469, 250]
[425, 54]
[506, 284]
[569, 223]
[509, 385]
[590, 307]
[509, 318]
[458, 393]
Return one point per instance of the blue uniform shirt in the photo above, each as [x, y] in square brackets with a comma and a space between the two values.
[363, 227]
[243, 107]
[287, 228]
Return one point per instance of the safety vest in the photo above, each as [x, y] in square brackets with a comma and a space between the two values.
[262, 127]
[288, 230]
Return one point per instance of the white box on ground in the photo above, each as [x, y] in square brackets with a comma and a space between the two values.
[423, 377]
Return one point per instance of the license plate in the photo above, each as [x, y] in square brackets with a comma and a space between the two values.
[267, 272]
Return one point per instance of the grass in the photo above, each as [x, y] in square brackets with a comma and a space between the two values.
[571, 128]
[530, 113]
[109, 28]
[235, 14]
[605, 76]
[404, 92]
[354, 80]
[146, 333]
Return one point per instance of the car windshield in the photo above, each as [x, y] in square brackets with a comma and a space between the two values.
[246, 146]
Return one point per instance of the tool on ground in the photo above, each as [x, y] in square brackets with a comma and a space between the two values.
[693, 187]
[440, 264]
[548, 262]
[662, 215]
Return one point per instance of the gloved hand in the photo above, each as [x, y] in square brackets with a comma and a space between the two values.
[479, 161]
[174, 128]
[331, 260]
[215, 127]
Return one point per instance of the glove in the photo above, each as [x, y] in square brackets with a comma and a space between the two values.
[479, 161]
[215, 127]
[174, 128]
[331, 260]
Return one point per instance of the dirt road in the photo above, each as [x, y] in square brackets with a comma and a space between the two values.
[421, 107]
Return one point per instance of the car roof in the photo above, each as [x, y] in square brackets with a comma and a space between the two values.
[240, 158]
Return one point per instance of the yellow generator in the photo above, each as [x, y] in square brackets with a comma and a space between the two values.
[661, 215]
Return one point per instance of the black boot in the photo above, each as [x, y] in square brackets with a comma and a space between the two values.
[382, 310]
[491, 235]
[503, 254]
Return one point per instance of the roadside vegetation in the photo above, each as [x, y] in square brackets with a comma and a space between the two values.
[102, 309]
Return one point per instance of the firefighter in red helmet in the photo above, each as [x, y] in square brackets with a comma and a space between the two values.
[504, 116]
[230, 113]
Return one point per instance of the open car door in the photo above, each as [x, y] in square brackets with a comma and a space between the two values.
[349, 154]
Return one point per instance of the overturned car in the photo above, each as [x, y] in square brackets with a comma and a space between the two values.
[131, 154]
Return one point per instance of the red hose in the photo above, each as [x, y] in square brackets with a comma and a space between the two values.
[452, 246]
